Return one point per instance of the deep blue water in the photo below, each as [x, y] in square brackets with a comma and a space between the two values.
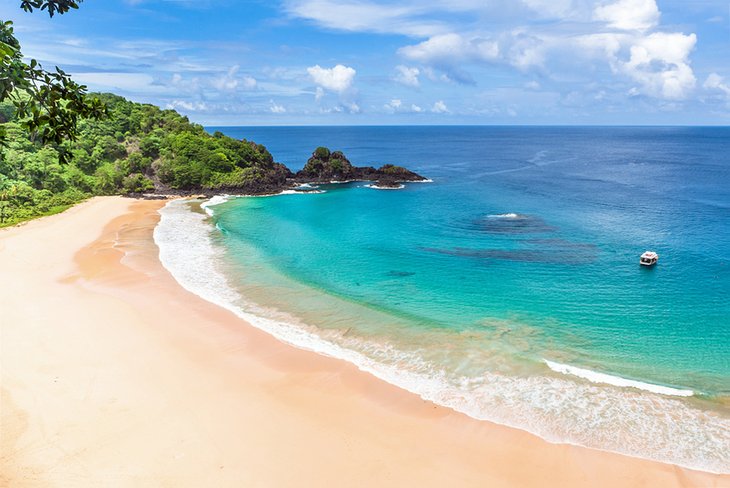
[524, 248]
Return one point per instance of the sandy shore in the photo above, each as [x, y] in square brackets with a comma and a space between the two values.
[113, 375]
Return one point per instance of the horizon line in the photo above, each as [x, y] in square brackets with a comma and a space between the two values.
[476, 125]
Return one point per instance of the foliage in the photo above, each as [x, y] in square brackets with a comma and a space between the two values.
[327, 165]
[393, 170]
[322, 153]
[53, 6]
[47, 102]
[138, 148]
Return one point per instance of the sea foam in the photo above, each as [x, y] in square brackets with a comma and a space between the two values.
[601, 415]
[216, 200]
[504, 216]
[376, 187]
[607, 379]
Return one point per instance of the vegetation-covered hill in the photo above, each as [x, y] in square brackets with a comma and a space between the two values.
[141, 148]
[138, 148]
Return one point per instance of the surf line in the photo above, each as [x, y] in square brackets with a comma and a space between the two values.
[595, 377]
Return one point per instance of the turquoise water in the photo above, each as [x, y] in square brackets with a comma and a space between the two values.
[510, 284]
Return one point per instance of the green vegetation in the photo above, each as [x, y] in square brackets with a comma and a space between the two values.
[47, 103]
[392, 170]
[326, 165]
[137, 148]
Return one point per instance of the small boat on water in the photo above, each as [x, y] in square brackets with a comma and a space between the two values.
[649, 258]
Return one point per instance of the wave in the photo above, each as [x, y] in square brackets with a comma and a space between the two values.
[505, 216]
[219, 199]
[635, 422]
[376, 187]
[299, 192]
[216, 200]
[607, 379]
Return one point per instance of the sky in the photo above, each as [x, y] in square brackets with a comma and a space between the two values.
[378, 62]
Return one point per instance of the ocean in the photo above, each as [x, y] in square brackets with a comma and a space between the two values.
[507, 288]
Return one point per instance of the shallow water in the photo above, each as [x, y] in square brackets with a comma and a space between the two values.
[509, 288]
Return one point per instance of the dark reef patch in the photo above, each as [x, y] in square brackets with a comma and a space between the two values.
[513, 224]
[399, 274]
[574, 256]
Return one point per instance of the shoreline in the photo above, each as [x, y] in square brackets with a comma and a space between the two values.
[154, 385]
[692, 440]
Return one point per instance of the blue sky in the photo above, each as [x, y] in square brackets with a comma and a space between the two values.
[299, 62]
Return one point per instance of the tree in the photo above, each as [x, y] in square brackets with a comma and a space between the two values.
[48, 103]
[53, 6]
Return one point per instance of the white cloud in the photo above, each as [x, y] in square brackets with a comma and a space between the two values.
[660, 64]
[230, 82]
[130, 82]
[600, 41]
[439, 107]
[450, 49]
[526, 50]
[717, 83]
[337, 79]
[407, 76]
[551, 8]
[227, 82]
[249, 82]
[450, 52]
[276, 108]
[393, 106]
[189, 106]
[396, 105]
[629, 14]
[364, 16]
[351, 107]
[657, 63]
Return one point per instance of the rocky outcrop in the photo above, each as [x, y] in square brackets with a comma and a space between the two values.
[325, 166]
[261, 181]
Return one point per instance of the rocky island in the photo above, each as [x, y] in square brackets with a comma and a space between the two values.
[328, 167]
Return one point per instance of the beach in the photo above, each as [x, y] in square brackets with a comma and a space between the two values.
[114, 375]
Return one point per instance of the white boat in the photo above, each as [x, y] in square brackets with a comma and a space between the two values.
[649, 258]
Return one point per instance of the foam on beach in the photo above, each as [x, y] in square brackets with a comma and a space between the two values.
[580, 407]
[216, 200]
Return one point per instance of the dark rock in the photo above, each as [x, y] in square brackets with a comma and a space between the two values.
[325, 166]
[398, 173]
[387, 181]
